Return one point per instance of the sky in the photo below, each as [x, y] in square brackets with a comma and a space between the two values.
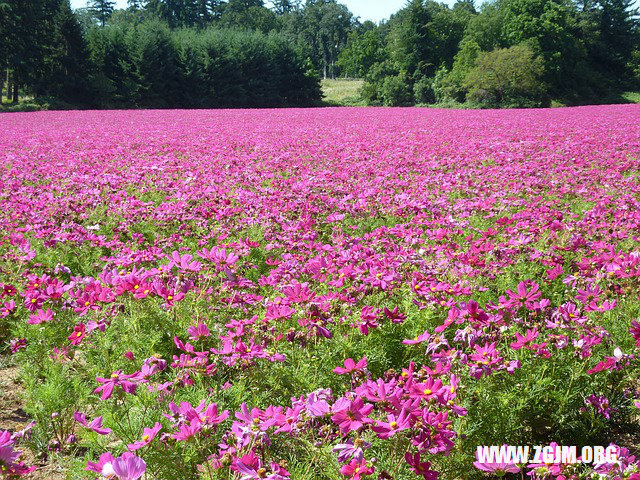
[374, 10]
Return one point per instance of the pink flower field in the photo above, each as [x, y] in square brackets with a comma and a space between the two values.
[320, 294]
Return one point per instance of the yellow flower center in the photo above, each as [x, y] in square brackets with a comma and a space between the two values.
[427, 391]
[393, 424]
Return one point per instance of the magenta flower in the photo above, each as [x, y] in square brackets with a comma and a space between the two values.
[117, 379]
[17, 344]
[184, 262]
[351, 449]
[79, 331]
[394, 315]
[635, 331]
[357, 469]
[351, 415]
[521, 341]
[148, 435]
[601, 404]
[424, 337]
[129, 467]
[525, 296]
[498, 469]
[419, 467]
[351, 366]
[198, 332]
[395, 424]
[95, 425]
[104, 466]
[41, 316]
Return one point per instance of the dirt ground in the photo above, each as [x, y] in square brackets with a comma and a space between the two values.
[14, 418]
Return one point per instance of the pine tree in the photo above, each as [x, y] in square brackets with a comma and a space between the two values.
[66, 69]
[618, 24]
[102, 10]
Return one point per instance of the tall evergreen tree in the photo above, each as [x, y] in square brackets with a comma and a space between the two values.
[102, 10]
[66, 69]
[618, 33]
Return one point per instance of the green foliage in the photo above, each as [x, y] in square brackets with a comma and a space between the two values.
[548, 28]
[102, 10]
[360, 54]
[395, 91]
[423, 91]
[507, 76]
[149, 65]
[449, 85]
[139, 56]
[322, 31]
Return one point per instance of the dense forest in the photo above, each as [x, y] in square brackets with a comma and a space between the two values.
[211, 53]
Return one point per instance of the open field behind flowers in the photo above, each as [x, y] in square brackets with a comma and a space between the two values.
[320, 294]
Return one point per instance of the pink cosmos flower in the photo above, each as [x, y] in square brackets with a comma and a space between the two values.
[351, 415]
[17, 344]
[526, 294]
[601, 405]
[78, 334]
[104, 466]
[419, 339]
[41, 316]
[117, 379]
[95, 425]
[521, 341]
[351, 366]
[251, 468]
[396, 423]
[10, 466]
[184, 262]
[498, 469]
[7, 308]
[635, 331]
[394, 315]
[148, 435]
[357, 469]
[420, 468]
[351, 449]
[198, 332]
[129, 467]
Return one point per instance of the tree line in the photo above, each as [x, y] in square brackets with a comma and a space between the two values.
[209, 53]
[504, 53]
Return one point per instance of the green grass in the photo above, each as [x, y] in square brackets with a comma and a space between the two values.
[342, 91]
[26, 104]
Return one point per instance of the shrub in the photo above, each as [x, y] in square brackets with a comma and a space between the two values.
[423, 91]
[395, 91]
[506, 77]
